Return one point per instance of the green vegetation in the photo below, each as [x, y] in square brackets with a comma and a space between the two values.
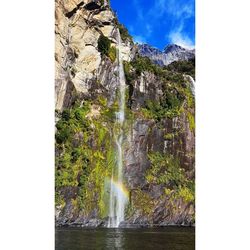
[127, 71]
[105, 48]
[165, 170]
[169, 136]
[112, 53]
[59, 201]
[191, 121]
[141, 64]
[186, 194]
[71, 122]
[124, 33]
[85, 153]
[104, 45]
[143, 202]
[78, 163]
[171, 73]
[169, 106]
[85, 150]
[184, 67]
[176, 93]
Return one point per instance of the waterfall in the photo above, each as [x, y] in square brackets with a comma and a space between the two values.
[118, 194]
[192, 82]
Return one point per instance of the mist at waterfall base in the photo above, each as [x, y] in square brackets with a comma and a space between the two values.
[170, 238]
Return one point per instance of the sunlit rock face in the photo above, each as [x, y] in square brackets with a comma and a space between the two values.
[83, 74]
[78, 25]
[170, 54]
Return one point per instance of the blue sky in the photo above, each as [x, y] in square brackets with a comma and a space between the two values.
[158, 22]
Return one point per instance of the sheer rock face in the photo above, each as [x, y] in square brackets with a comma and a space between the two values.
[81, 72]
[146, 87]
[148, 136]
[78, 25]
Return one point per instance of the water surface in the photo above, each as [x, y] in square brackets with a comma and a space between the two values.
[170, 238]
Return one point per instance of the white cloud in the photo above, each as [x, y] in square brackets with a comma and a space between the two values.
[181, 39]
[179, 9]
[177, 36]
[173, 12]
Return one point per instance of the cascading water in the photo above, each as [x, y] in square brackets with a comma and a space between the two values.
[118, 197]
[192, 84]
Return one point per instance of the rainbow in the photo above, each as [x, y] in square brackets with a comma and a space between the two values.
[120, 188]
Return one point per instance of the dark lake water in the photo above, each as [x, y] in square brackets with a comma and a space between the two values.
[170, 238]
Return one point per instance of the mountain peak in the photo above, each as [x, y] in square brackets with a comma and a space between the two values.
[145, 46]
[171, 47]
[171, 53]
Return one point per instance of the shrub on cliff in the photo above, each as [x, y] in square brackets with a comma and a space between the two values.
[183, 67]
[112, 53]
[169, 106]
[62, 134]
[66, 114]
[124, 33]
[141, 64]
[104, 45]
[166, 170]
[175, 92]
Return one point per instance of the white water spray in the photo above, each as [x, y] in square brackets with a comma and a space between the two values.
[192, 82]
[118, 198]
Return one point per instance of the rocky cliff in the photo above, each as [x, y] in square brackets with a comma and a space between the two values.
[160, 129]
[171, 53]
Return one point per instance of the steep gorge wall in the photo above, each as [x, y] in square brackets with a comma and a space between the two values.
[156, 200]
[159, 143]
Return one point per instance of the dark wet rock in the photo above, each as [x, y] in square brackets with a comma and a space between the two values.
[78, 139]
